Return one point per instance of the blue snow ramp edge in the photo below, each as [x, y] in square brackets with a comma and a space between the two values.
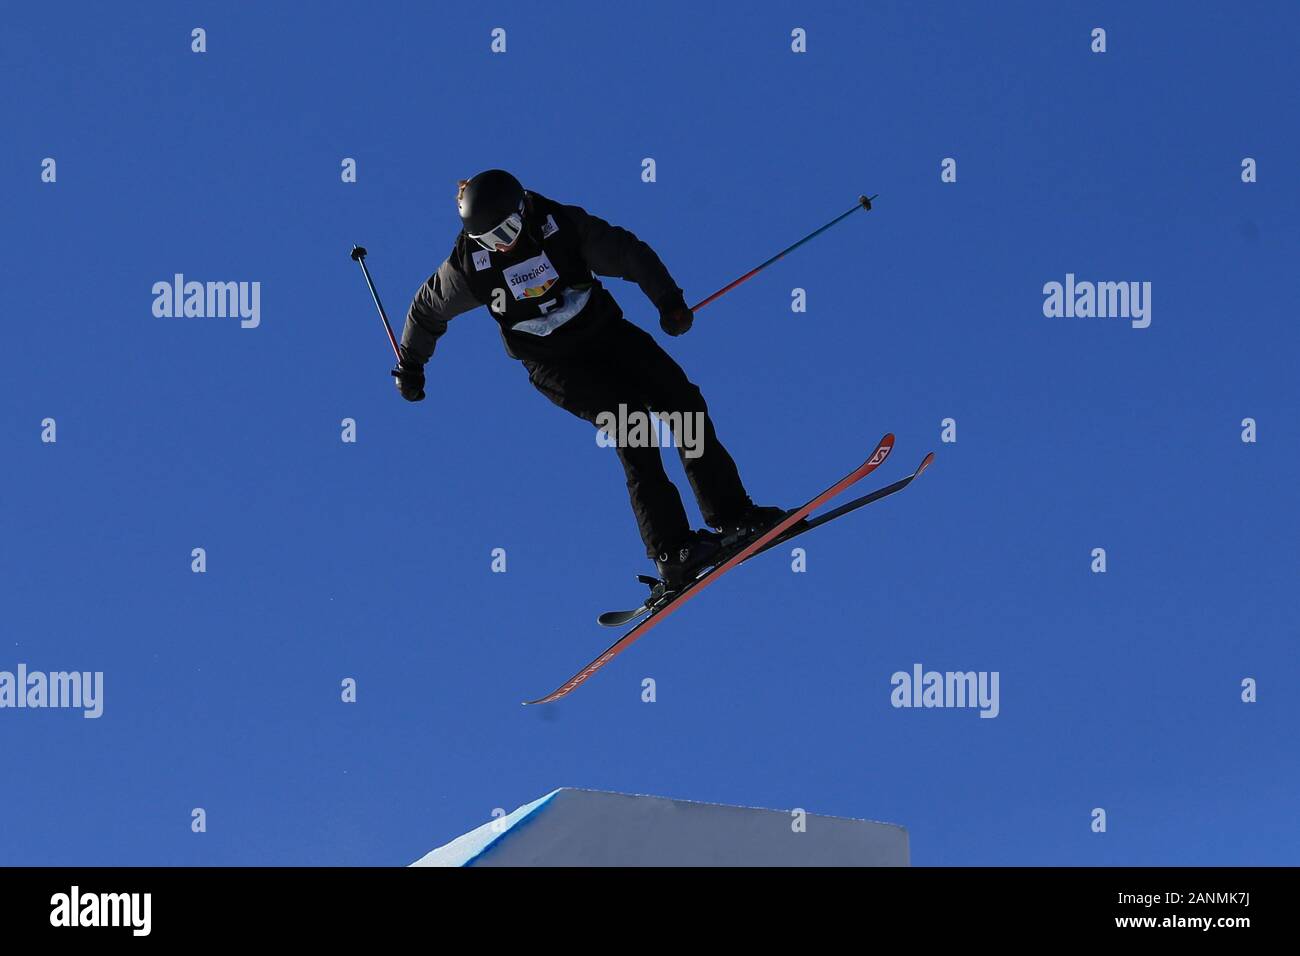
[465, 849]
[576, 827]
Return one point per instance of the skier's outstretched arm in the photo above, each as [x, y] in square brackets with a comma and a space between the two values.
[443, 296]
[614, 251]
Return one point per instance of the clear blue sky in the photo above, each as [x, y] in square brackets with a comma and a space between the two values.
[372, 560]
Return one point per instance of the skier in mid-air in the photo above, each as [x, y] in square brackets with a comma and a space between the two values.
[531, 261]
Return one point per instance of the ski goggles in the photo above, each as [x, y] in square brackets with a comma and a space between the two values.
[504, 235]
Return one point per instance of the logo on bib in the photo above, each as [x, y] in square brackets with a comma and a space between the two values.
[550, 228]
[482, 260]
[532, 278]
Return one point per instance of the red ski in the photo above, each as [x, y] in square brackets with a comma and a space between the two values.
[699, 584]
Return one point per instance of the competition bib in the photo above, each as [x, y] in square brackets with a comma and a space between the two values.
[532, 278]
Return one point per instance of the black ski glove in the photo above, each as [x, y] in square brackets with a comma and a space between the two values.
[675, 317]
[410, 379]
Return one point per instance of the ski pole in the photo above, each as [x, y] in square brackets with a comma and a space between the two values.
[359, 256]
[864, 202]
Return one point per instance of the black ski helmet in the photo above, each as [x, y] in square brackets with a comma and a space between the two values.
[487, 200]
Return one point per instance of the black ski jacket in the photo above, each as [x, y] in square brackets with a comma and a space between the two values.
[543, 293]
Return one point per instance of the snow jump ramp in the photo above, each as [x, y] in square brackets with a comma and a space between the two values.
[570, 827]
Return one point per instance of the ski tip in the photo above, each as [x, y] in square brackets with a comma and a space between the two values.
[882, 450]
[925, 463]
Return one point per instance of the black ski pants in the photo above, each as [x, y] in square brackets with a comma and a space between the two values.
[623, 365]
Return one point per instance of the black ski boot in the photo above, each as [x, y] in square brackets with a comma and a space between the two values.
[750, 523]
[680, 565]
